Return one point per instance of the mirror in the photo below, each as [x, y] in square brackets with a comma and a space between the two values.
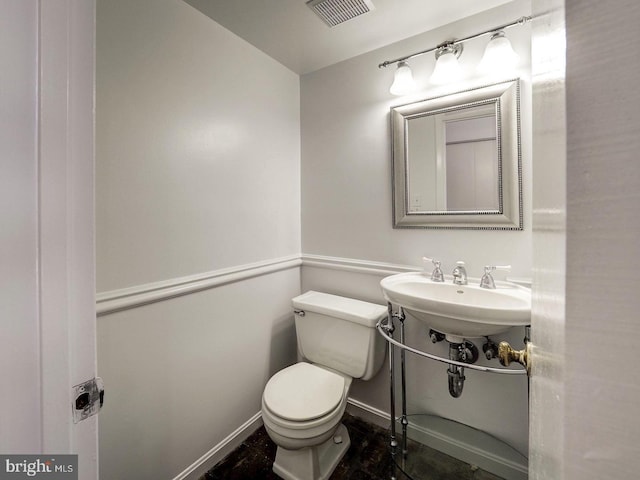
[457, 160]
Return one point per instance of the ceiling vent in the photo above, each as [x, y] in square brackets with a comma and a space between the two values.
[335, 12]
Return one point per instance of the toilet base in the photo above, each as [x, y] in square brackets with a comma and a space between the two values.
[313, 463]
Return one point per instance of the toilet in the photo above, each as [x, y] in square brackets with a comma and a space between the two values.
[303, 405]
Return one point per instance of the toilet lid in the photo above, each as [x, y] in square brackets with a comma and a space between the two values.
[303, 392]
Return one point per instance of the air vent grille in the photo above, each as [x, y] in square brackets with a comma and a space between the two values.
[335, 12]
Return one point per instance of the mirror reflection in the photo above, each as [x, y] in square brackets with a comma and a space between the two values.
[452, 161]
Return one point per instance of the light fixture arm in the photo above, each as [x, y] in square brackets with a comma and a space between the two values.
[453, 43]
[449, 47]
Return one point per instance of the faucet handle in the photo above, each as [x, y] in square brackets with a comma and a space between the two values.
[487, 280]
[437, 263]
[491, 268]
[436, 275]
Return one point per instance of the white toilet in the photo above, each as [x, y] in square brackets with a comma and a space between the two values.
[303, 404]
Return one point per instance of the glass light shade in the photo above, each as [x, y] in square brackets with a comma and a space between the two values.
[403, 82]
[447, 68]
[499, 56]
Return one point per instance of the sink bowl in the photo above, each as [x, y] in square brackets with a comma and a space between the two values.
[459, 311]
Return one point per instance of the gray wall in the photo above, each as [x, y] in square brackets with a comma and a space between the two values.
[584, 391]
[198, 164]
[346, 211]
[198, 146]
[346, 169]
[603, 228]
[185, 373]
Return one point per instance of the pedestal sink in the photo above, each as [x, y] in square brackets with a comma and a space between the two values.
[459, 311]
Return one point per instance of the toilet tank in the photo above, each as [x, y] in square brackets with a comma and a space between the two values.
[339, 333]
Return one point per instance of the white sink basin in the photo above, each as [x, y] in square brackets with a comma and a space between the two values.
[459, 311]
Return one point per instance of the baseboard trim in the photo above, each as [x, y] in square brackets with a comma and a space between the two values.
[126, 298]
[221, 450]
[368, 413]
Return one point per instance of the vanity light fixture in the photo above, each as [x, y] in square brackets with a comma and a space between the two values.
[499, 53]
[403, 82]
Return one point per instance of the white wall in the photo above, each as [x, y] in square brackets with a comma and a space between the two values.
[198, 164]
[20, 401]
[346, 209]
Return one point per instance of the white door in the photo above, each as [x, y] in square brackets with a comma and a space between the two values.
[47, 286]
[547, 395]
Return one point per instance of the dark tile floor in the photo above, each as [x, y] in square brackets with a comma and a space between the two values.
[368, 458]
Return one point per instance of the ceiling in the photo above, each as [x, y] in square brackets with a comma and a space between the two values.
[290, 32]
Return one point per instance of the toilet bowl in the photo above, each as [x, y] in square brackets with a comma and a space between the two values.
[302, 407]
[303, 404]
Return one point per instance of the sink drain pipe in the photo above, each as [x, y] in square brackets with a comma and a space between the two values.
[454, 372]
[465, 352]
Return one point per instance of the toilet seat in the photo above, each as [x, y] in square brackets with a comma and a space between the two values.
[303, 392]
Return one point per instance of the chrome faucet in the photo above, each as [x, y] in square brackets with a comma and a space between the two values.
[460, 274]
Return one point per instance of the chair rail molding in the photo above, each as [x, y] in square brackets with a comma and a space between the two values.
[123, 299]
[355, 265]
[131, 297]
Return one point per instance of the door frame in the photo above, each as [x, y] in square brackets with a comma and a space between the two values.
[66, 239]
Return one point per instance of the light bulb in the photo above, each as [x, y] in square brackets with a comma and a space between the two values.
[499, 56]
[447, 68]
[402, 80]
